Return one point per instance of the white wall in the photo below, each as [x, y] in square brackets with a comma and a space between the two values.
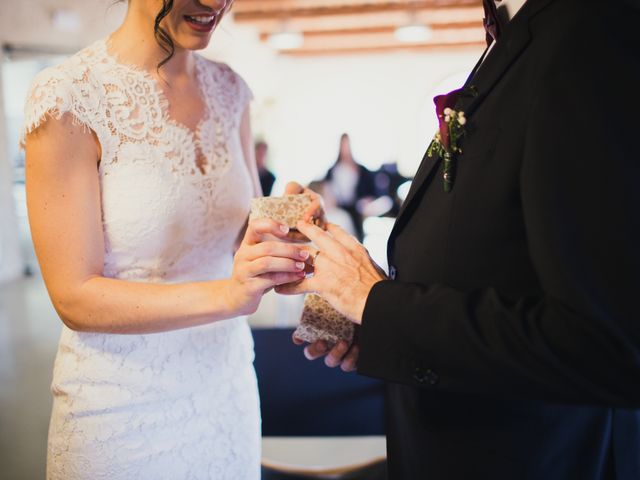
[10, 258]
[302, 105]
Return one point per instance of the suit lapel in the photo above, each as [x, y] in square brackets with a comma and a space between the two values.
[513, 42]
[483, 78]
[428, 163]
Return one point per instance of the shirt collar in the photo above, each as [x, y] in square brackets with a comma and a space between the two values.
[512, 6]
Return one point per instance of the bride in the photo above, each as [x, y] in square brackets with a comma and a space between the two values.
[139, 175]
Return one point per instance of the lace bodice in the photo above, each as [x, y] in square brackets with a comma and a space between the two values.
[166, 218]
[180, 404]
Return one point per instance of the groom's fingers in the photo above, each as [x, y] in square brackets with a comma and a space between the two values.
[322, 239]
[343, 237]
[260, 227]
[296, 288]
[315, 350]
[337, 353]
[350, 361]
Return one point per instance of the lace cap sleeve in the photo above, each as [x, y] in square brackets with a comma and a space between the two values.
[245, 95]
[52, 94]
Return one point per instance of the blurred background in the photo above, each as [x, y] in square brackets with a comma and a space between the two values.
[318, 69]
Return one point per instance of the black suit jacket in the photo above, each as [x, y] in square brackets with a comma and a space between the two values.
[510, 333]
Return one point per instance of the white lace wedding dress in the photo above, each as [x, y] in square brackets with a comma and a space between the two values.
[183, 404]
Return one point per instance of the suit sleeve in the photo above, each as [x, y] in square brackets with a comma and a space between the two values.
[578, 342]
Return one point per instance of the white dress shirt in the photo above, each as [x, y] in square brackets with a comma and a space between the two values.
[512, 6]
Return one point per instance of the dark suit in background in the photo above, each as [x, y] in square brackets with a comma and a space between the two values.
[510, 335]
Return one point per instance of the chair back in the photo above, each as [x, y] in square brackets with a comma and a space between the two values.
[306, 398]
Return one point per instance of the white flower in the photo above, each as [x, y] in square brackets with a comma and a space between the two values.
[448, 111]
[462, 120]
[447, 119]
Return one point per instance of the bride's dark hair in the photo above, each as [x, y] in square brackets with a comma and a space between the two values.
[162, 37]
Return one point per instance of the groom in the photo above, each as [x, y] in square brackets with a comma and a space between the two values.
[509, 329]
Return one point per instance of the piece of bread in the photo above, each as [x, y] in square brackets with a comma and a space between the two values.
[320, 321]
[288, 209]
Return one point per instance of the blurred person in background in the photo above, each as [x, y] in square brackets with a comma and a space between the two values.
[387, 180]
[352, 184]
[334, 213]
[267, 178]
[139, 172]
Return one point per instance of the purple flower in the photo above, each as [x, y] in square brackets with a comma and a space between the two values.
[445, 101]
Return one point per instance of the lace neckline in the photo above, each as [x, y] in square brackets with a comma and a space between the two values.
[203, 163]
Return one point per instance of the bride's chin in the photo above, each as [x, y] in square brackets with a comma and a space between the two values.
[185, 37]
[192, 44]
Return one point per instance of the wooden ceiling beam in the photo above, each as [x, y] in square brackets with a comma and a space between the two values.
[377, 29]
[386, 37]
[344, 26]
[355, 21]
[257, 9]
[420, 48]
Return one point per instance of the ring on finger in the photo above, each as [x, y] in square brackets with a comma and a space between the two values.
[315, 257]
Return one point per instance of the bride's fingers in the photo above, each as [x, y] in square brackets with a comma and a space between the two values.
[260, 227]
[293, 188]
[274, 279]
[274, 265]
[315, 211]
[277, 249]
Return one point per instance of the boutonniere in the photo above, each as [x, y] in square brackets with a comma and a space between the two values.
[446, 142]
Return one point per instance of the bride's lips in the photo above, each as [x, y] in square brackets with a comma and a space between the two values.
[202, 22]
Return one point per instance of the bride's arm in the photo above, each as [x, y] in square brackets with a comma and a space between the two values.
[63, 196]
[246, 139]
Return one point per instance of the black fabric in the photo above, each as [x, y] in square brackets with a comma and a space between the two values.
[303, 398]
[267, 179]
[510, 336]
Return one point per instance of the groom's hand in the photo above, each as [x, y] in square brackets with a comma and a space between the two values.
[343, 271]
[340, 355]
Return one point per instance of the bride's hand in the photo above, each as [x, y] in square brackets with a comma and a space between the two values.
[263, 262]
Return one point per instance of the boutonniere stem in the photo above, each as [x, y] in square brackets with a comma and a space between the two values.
[446, 143]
